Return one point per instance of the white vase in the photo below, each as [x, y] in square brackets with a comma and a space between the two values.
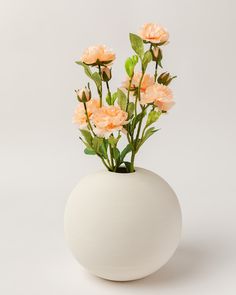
[122, 226]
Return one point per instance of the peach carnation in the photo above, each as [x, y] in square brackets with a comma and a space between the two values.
[98, 53]
[160, 95]
[146, 82]
[154, 33]
[108, 119]
[80, 116]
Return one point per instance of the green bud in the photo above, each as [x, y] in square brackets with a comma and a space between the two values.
[165, 78]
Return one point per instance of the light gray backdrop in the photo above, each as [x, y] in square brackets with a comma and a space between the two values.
[41, 158]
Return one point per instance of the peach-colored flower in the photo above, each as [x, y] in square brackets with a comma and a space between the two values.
[98, 53]
[154, 33]
[160, 95]
[164, 104]
[80, 116]
[146, 82]
[108, 119]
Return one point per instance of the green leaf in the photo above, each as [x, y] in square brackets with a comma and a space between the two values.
[86, 68]
[88, 151]
[116, 153]
[147, 134]
[113, 141]
[103, 148]
[125, 151]
[159, 58]
[137, 44]
[153, 116]
[114, 97]
[130, 64]
[129, 67]
[108, 99]
[136, 119]
[146, 60]
[122, 99]
[87, 135]
[130, 109]
[128, 166]
[97, 79]
[111, 100]
[85, 143]
[96, 143]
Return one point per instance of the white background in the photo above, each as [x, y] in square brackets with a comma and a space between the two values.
[41, 158]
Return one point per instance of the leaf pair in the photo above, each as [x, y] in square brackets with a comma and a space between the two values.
[111, 99]
[94, 145]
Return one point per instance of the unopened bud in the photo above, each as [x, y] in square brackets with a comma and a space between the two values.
[106, 74]
[164, 78]
[83, 94]
[155, 52]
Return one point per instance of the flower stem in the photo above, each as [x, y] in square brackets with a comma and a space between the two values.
[155, 75]
[132, 162]
[135, 142]
[112, 156]
[103, 161]
[100, 93]
[130, 82]
[91, 128]
[87, 116]
[108, 90]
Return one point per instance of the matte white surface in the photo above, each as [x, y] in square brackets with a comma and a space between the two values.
[122, 227]
[41, 157]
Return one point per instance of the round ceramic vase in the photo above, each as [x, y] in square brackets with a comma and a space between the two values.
[122, 226]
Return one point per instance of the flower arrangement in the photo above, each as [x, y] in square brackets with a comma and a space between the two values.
[131, 110]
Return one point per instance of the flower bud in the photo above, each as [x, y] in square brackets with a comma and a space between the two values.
[155, 51]
[106, 74]
[83, 94]
[165, 78]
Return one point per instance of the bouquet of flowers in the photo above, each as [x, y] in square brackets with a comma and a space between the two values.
[133, 108]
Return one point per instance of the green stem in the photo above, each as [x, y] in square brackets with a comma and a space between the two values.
[155, 75]
[134, 151]
[91, 128]
[130, 82]
[112, 156]
[103, 161]
[132, 162]
[108, 90]
[100, 94]
[87, 116]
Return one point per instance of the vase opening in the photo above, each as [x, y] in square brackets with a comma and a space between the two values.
[121, 170]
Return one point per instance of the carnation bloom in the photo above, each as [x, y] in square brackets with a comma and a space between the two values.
[98, 53]
[108, 119]
[160, 95]
[80, 117]
[154, 33]
[146, 82]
